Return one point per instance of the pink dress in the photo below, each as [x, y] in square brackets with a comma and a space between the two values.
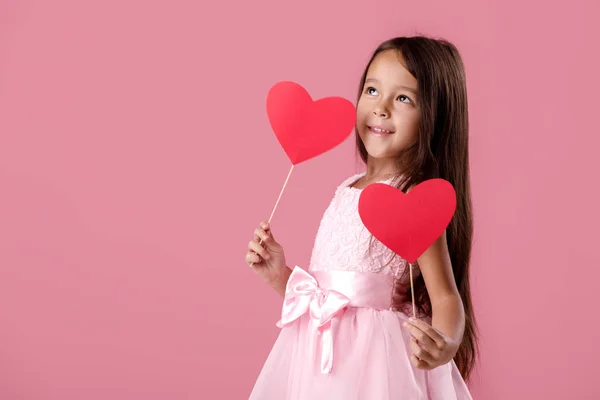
[339, 337]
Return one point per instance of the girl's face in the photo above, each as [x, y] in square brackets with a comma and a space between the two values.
[387, 113]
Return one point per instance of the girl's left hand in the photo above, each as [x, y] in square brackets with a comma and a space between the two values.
[431, 348]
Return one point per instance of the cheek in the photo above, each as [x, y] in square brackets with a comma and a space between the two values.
[415, 129]
[360, 121]
[409, 125]
[362, 113]
[360, 126]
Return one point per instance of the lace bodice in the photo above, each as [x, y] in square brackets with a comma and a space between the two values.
[342, 241]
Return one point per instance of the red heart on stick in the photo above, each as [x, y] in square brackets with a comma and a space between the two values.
[307, 128]
[408, 223]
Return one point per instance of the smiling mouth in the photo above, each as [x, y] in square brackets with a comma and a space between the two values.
[376, 130]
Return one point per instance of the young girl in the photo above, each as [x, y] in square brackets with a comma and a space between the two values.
[345, 327]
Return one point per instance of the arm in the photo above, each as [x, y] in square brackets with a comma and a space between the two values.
[447, 308]
[436, 344]
[279, 284]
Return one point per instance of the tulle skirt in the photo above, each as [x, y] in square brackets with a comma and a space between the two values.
[371, 361]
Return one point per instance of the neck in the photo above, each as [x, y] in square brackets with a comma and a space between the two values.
[381, 168]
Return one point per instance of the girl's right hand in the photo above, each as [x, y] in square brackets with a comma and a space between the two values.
[267, 259]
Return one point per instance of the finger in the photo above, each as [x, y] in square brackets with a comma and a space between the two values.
[260, 234]
[258, 249]
[266, 239]
[266, 226]
[420, 352]
[421, 336]
[430, 331]
[419, 363]
[253, 258]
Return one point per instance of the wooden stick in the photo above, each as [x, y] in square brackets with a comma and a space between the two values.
[277, 202]
[412, 290]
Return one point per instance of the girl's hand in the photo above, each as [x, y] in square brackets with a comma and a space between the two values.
[267, 259]
[431, 348]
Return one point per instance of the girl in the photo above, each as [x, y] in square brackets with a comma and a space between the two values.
[345, 331]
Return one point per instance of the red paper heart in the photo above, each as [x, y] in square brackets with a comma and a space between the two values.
[408, 223]
[307, 128]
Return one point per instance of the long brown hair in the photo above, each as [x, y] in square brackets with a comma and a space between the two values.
[440, 151]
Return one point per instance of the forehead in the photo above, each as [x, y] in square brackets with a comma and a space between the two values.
[389, 66]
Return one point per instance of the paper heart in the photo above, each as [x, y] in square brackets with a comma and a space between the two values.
[408, 223]
[307, 128]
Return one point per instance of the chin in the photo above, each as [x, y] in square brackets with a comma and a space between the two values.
[377, 152]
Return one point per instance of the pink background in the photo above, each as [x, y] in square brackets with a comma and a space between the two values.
[136, 160]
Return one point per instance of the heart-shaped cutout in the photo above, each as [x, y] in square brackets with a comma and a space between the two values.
[307, 128]
[408, 224]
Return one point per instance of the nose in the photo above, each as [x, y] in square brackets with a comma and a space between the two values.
[380, 112]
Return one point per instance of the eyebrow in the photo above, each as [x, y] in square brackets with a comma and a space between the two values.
[400, 86]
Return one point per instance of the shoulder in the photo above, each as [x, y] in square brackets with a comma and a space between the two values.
[349, 180]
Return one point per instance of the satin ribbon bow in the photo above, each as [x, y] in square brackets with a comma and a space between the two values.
[303, 295]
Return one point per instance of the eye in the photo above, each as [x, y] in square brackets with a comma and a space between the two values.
[371, 91]
[404, 97]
